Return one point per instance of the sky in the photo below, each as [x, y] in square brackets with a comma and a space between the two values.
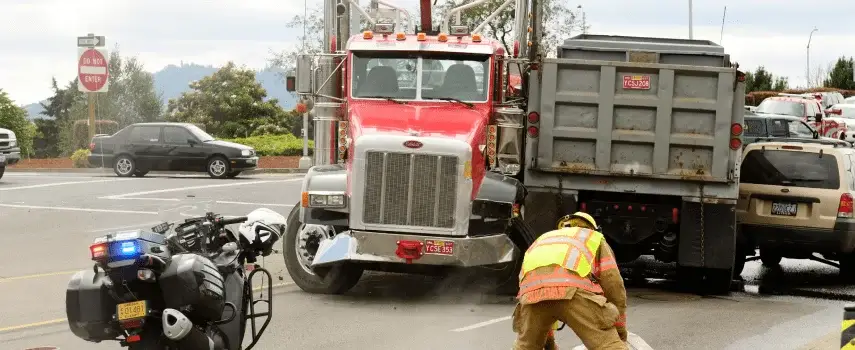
[38, 37]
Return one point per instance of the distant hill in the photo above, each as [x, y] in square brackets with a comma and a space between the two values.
[172, 80]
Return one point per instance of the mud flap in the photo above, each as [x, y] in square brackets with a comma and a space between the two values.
[707, 241]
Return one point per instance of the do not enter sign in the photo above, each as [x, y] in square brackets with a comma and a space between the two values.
[92, 71]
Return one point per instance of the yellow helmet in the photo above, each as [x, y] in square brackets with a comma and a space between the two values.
[565, 221]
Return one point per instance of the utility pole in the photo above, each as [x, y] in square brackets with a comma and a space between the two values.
[306, 162]
[721, 36]
[807, 65]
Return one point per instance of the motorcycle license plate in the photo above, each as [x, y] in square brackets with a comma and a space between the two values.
[131, 311]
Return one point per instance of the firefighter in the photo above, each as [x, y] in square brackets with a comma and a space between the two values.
[570, 275]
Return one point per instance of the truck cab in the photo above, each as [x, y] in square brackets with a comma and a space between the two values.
[408, 185]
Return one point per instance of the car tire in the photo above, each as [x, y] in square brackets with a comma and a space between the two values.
[140, 173]
[124, 166]
[847, 267]
[2, 170]
[338, 280]
[770, 258]
[218, 167]
[233, 174]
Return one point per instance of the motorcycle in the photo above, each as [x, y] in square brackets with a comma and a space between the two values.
[186, 284]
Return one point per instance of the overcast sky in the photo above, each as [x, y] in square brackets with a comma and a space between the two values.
[38, 37]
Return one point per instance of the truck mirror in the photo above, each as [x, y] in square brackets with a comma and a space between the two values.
[303, 78]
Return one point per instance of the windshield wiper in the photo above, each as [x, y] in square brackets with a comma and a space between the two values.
[387, 98]
[467, 104]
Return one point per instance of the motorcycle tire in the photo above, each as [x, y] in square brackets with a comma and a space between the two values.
[338, 280]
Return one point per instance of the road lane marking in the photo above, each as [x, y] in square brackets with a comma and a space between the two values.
[482, 324]
[124, 227]
[258, 204]
[149, 199]
[60, 184]
[114, 211]
[34, 324]
[60, 320]
[177, 189]
[48, 274]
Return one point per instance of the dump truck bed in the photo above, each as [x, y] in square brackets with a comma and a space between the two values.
[641, 107]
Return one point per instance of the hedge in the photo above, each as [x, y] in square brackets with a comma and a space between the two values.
[754, 98]
[81, 131]
[275, 145]
[80, 158]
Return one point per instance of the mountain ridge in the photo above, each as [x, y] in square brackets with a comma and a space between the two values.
[172, 80]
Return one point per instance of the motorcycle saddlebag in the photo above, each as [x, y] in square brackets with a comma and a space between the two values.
[193, 280]
[89, 307]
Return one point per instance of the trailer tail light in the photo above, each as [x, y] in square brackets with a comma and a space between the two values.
[675, 215]
[532, 131]
[533, 118]
[736, 129]
[583, 207]
[844, 210]
[735, 143]
[492, 135]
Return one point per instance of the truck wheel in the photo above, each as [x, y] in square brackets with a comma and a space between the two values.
[337, 280]
[705, 281]
[124, 166]
[770, 258]
[507, 279]
[847, 267]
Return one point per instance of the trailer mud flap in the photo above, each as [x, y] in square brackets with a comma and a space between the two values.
[711, 244]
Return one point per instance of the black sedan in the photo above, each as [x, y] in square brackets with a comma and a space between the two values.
[140, 148]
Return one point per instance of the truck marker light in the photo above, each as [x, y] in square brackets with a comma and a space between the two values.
[421, 37]
[735, 143]
[675, 215]
[304, 199]
[476, 38]
[400, 36]
[367, 35]
[736, 129]
[532, 131]
[442, 37]
[467, 170]
[533, 117]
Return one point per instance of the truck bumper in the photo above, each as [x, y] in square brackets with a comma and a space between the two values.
[13, 155]
[367, 246]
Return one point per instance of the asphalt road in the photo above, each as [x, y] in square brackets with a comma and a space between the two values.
[48, 220]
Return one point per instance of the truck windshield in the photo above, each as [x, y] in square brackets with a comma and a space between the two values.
[427, 76]
[769, 106]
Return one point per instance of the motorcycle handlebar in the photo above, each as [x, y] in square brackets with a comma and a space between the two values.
[237, 220]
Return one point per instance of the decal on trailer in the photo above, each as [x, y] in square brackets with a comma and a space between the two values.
[636, 82]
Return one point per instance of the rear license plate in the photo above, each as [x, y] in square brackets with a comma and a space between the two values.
[785, 209]
[131, 311]
[433, 246]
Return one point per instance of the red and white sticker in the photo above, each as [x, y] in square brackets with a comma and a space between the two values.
[636, 82]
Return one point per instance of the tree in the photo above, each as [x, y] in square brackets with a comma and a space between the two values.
[54, 136]
[230, 103]
[781, 84]
[840, 76]
[14, 118]
[759, 80]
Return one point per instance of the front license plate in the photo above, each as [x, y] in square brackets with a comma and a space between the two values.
[433, 246]
[785, 209]
[131, 311]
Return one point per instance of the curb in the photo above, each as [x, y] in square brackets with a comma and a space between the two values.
[109, 171]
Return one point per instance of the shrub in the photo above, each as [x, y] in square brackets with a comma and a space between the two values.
[81, 131]
[275, 145]
[80, 158]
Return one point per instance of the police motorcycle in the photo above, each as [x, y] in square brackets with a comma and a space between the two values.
[184, 284]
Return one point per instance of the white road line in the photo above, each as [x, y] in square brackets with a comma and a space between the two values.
[258, 204]
[482, 324]
[79, 209]
[149, 199]
[145, 224]
[60, 184]
[167, 190]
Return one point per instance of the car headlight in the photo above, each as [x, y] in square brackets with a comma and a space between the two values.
[246, 152]
[13, 143]
[326, 200]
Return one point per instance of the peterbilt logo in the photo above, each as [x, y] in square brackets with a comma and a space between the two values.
[413, 144]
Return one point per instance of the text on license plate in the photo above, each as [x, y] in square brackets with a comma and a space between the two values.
[132, 310]
[434, 246]
[787, 209]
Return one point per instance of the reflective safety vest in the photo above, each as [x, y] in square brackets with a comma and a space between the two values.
[572, 248]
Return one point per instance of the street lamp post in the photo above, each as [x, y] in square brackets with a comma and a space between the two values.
[807, 64]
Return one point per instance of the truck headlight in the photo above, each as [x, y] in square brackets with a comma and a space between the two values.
[326, 200]
[246, 152]
[13, 143]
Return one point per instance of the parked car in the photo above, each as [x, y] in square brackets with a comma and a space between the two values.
[9, 148]
[768, 126]
[809, 109]
[140, 148]
[849, 100]
[796, 199]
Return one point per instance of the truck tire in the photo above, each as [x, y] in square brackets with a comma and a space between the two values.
[507, 279]
[2, 170]
[338, 280]
[847, 267]
[770, 258]
[705, 281]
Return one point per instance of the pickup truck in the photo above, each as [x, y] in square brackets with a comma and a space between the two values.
[766, 126]
[9, 148]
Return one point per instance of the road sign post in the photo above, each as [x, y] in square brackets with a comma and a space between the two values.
[93, 73]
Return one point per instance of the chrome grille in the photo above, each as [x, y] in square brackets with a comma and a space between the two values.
[4, 144]
[410, 189]
[4, 136]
